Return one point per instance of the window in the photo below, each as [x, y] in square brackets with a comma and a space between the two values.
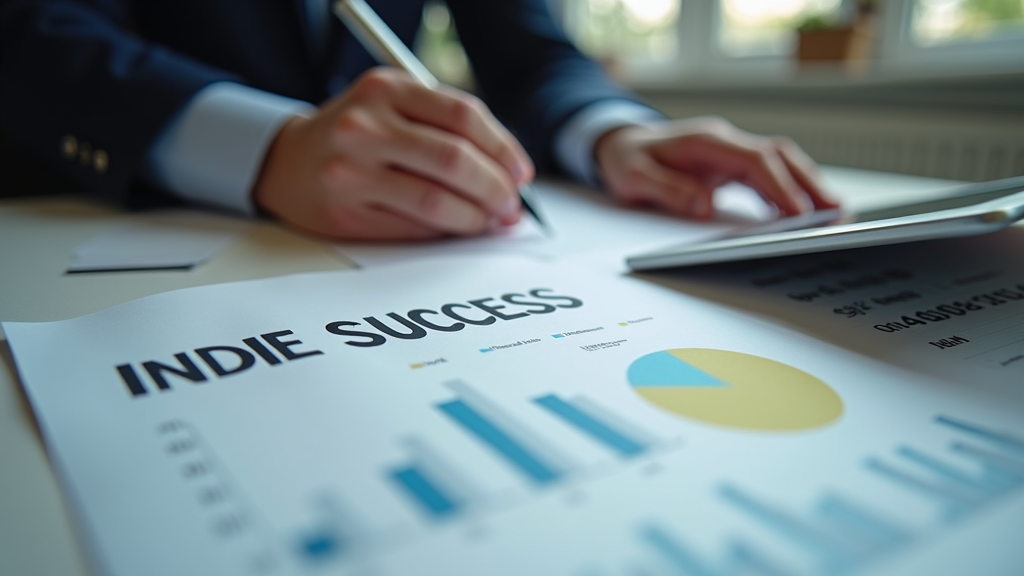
[671, 42]
[758, 27]
[942, 21]
[439, 48]
[624, 29]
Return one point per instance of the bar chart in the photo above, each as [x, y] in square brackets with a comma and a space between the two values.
[532, 457]
[840, 534]
[439, 492]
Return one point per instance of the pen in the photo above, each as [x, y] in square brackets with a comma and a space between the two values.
[388, 48]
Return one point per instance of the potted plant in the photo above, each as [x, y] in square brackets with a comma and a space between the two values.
[833, 38]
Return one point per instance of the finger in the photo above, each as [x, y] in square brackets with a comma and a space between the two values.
[805, 172]
[424, 202]
[454, 163]
[361, 205]
[649, 182]
[372, 224]
[465, 115]
[763, 169]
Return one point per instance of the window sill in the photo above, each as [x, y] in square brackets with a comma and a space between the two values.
[976, 89]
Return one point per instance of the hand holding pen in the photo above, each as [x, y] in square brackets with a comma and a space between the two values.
[394, 159]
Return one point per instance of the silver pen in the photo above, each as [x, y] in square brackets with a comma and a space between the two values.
[388, 48]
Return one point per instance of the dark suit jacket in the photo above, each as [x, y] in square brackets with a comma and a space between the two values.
[87, 85]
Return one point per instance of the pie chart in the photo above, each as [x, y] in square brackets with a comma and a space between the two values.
[734, 389]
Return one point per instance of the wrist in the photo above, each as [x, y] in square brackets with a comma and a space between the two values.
[609, 146]
[277, 161]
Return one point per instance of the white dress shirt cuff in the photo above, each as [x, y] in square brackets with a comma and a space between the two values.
[574, 143]
[212, 151]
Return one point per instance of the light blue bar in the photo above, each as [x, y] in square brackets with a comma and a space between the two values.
[989, 486]
[595, 428]
[1005, 441]
[834, 555]
[674, 551]
[750, 560]
[862, 525]
[433, 500]
[516, 454]
[1000, 463]
[957, 503]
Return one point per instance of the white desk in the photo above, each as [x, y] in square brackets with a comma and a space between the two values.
[36, 240]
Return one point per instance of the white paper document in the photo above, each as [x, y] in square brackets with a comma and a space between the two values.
[518, 239]
[578, 221]
[156, 241]
[471, 416]
[583, 221]
[953, 309]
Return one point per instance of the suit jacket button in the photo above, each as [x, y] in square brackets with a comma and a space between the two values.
[69, 147]
[100, 161]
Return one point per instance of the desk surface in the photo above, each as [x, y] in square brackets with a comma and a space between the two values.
[36, 240]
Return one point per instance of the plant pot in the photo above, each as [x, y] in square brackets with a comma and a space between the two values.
[846, 44]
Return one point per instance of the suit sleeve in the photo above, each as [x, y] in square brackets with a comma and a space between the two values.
[80, 92]
[529, 73]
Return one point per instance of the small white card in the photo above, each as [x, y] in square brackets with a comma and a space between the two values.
[160, 241]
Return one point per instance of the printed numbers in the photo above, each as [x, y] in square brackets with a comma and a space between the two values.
[946, 311]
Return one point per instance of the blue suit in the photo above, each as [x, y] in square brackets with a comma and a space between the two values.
[87, 85]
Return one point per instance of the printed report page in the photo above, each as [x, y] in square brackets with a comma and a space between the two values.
[496, 416]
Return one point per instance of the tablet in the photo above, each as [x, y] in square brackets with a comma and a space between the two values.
[972, 209]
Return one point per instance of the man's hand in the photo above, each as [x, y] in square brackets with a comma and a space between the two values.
[677, 166]
[392, 160]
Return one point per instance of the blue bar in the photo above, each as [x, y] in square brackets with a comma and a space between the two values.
[1004, 465]
[502, 443]
[433, 500]
[320, 546]
[749, 560]
[957, 502]
[834, 555]
[675, 552]
[1005, 440]
[597, 430]
[861, 524]
[985, 486]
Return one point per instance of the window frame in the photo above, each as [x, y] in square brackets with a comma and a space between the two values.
[701, 60]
